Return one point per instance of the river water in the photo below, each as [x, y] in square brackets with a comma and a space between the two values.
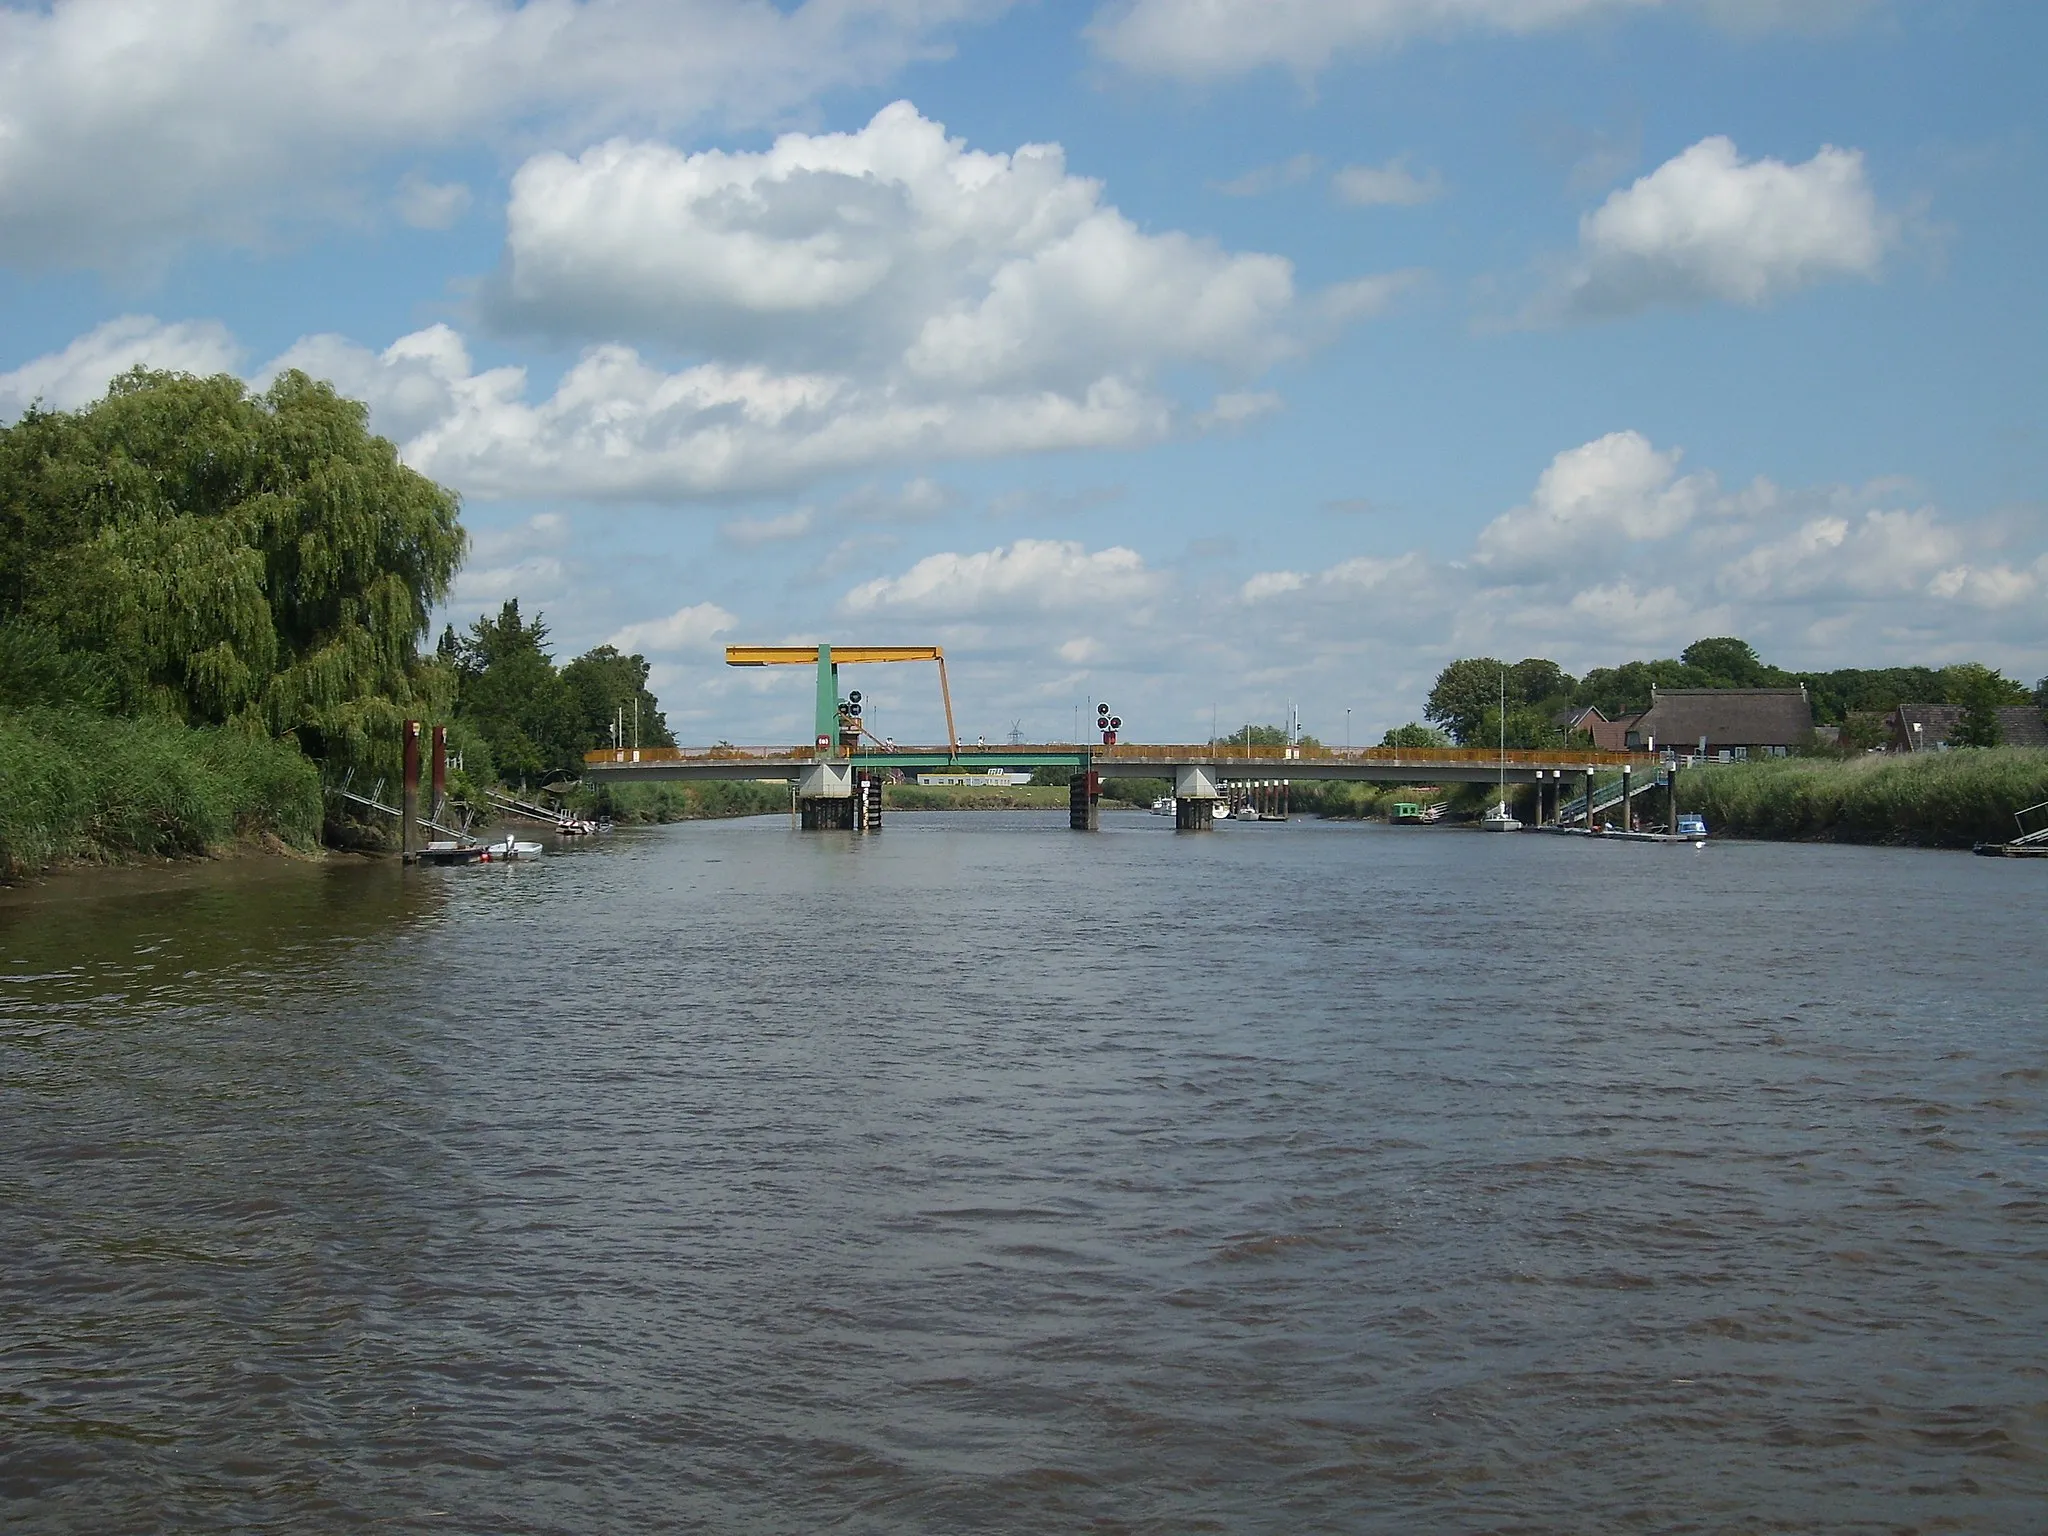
[983, 1176]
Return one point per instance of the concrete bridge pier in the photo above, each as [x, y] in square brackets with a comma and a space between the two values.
[825, 798]
[1084, 802]
[1194, 798]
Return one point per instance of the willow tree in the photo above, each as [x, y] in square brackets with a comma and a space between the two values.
[228, 558]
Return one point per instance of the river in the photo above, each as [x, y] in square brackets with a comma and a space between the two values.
[983, 1176]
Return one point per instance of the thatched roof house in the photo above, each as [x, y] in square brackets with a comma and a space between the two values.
[1743, 722]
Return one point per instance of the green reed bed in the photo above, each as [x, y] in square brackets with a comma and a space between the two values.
[1934, 800]
[963, 797]
[650, 803]
[89, 787]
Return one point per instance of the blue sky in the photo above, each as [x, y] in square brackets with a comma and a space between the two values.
[1200, 355]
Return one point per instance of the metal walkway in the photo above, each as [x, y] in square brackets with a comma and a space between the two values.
[1607, 797]
[342, 792]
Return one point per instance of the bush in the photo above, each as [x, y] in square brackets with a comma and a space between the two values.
[75, 785]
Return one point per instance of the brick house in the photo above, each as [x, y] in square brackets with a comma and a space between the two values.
[1608, 735]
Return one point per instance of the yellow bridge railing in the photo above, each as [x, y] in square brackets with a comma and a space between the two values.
[1147, 752]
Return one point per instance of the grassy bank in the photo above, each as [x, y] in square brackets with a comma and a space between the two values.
[1929, 800]
[77, 786]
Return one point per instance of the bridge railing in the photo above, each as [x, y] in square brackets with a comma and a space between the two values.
[724, 752]
[1400, 757]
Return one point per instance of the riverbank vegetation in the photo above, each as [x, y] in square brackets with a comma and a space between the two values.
[1925, 799]
[213, 599]
[646, 804]
[95, 789]
[185, 555]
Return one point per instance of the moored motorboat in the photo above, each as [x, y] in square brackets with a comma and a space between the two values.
[1163, 806]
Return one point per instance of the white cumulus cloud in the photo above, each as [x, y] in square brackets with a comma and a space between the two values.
[896, 246]
[1708, 226]
[847, 301]
[78, 374]
[687, 629]
[1616, 555]
[1991, 586]
[1617, 487]
[617, 427]
[1029, 575]
[1883, 552]
[130, 126]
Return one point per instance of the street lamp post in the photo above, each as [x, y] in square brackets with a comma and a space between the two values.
[1347, 730]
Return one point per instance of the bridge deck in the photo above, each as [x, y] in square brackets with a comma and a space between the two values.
[1453, 765]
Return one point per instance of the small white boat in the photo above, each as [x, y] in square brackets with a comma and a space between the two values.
[1163, 806]
[509, 850]
[1222, 810]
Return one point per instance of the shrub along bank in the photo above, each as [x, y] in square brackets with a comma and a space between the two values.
[75, 785]
[1930, 800]
[1338, 798]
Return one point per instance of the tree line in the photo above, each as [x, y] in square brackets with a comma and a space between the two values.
[532, 718]
[1465, 703]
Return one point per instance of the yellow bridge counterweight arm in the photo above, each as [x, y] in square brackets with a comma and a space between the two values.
[807, 656]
